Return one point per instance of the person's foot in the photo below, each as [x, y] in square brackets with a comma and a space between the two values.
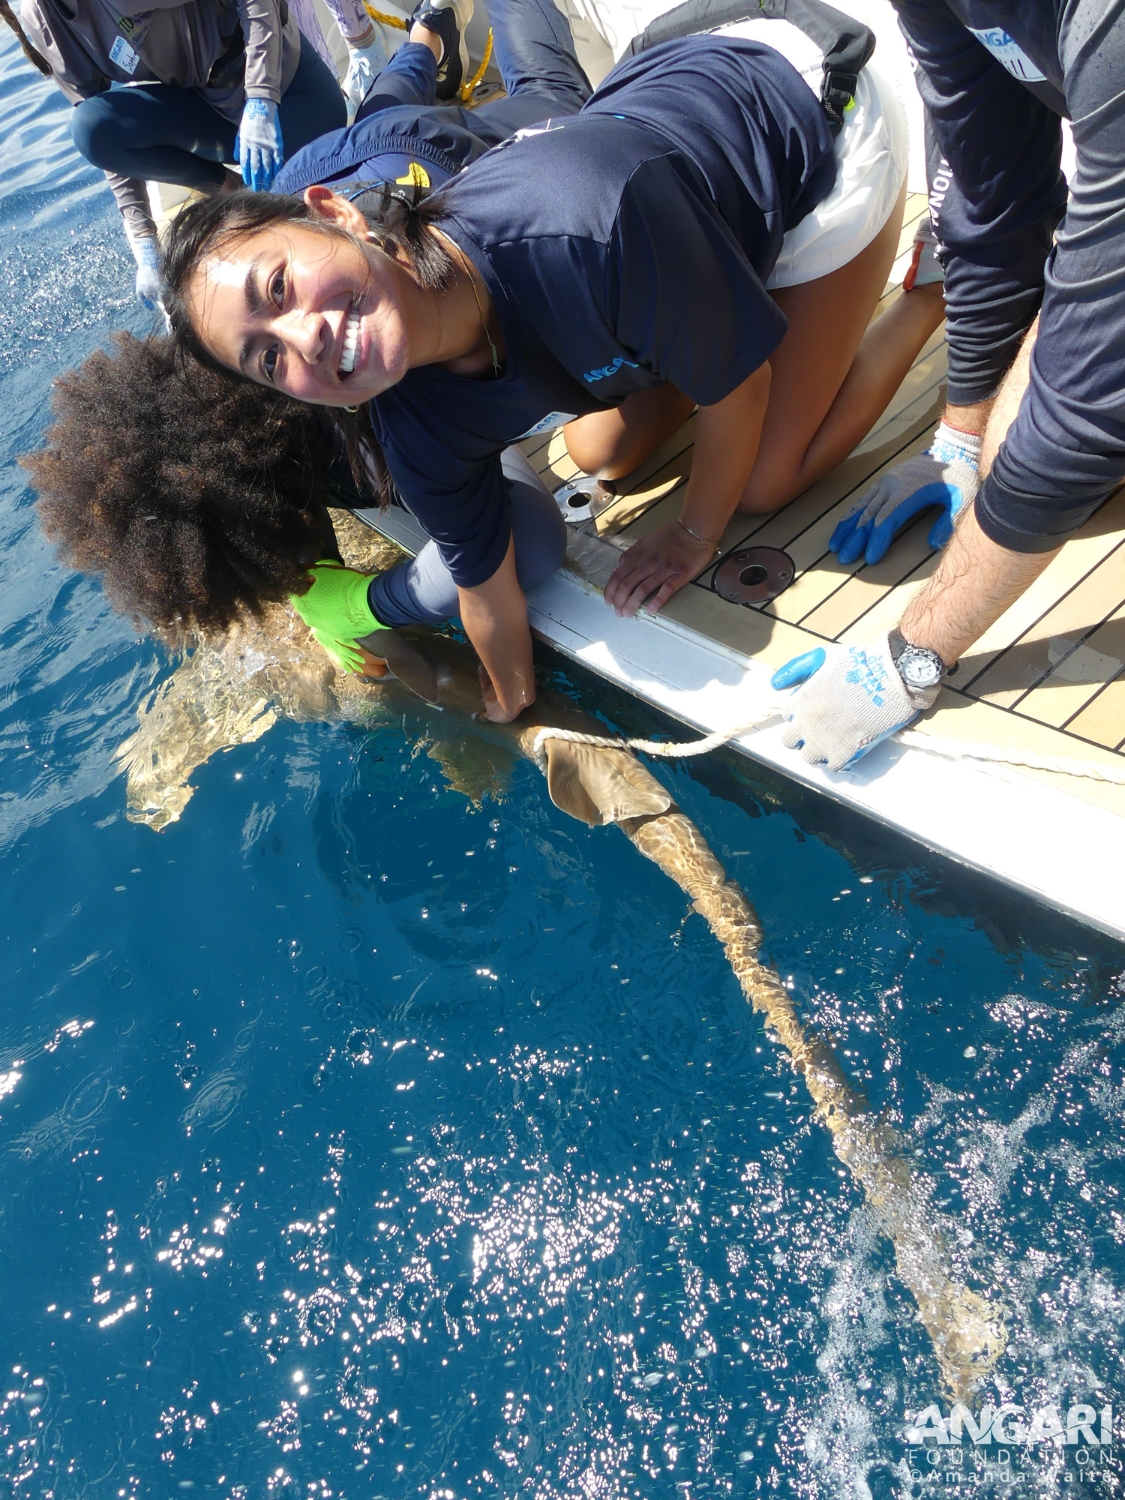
[447, 19]
[924, 269]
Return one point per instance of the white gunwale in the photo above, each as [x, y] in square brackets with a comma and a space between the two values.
[1027, 829]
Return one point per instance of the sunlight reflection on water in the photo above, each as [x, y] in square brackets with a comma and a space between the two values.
[355, 1141]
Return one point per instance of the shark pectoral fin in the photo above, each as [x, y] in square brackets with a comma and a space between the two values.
[158, 814]
[408, 664]
[599, 786]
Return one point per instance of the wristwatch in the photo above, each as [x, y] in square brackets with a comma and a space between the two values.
[918, 666]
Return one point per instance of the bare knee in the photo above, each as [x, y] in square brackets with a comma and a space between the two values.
[594, 443]
[612, 444]
[602, 445]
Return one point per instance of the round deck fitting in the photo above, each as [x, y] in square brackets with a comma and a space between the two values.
[754, 575]
[583, 498]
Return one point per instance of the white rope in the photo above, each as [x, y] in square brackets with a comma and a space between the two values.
[670, 748]
[935, 744]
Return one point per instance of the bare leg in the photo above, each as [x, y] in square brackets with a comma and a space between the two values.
[835, 371]
[827, 392]
[610, 444]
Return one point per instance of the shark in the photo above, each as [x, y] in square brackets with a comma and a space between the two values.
[232, 690]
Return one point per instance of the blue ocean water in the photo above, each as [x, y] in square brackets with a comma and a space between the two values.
[357, 1141]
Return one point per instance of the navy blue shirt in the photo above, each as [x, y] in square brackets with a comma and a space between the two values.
[623, 247]
[995, 76]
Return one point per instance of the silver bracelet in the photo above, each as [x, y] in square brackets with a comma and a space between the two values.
[706, 540]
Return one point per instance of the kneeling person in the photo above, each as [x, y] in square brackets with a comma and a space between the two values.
[501, 306]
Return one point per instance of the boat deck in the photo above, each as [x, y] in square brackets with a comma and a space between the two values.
[1050, 674]
[1047, 679]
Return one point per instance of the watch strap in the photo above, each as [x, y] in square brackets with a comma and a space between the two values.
[899, 644]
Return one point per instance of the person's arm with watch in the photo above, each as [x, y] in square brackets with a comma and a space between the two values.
[835, 718]
[854, 697]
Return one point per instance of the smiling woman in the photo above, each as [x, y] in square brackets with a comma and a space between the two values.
[667, 274]
[302, 295]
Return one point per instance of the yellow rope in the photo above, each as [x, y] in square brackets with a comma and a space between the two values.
[384, 19]
[467, 88]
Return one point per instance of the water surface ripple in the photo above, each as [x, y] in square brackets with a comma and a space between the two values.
[356, 1141]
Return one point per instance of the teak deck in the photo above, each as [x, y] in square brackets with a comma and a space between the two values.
[1048, 678]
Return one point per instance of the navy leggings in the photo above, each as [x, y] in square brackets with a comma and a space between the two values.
[158, 133]
[534, 52]
[422, 592]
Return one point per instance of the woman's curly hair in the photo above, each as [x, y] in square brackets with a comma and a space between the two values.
[196, 496]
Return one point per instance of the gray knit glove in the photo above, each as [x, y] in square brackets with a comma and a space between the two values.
[852, 699]
[945, 476]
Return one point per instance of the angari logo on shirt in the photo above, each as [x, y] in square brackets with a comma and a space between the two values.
[1008, 54]
[123, 56]
[608, 370]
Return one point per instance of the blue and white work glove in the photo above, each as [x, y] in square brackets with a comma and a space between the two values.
[852, 699]
[365, 62]
[150, 283]
[258, 144]
[945, 475]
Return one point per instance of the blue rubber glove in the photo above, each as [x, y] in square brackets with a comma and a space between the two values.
[851, 700]
[945, 475]
[150, 283]
[258, 144]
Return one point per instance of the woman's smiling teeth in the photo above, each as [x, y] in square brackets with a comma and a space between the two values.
[351, 344]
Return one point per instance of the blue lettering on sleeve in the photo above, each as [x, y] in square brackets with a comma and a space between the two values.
[592, 375]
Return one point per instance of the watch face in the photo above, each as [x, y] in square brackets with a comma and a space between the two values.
[919, 668]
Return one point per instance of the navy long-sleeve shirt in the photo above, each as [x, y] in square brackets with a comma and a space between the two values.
[996, 76]
[624, 246]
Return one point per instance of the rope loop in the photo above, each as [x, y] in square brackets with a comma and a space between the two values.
[668, 749]
[384, 19]
[915, 739]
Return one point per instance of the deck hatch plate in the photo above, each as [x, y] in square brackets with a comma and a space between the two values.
[583, 499]
[754, 575]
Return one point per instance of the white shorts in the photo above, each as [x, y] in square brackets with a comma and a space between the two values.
[872, 151]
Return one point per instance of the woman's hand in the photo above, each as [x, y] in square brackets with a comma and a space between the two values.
[726, 445]
[494, 711]
[372, 665]
[657, 565]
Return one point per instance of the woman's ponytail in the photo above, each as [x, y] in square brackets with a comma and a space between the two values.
[399, 215]
[36, 59]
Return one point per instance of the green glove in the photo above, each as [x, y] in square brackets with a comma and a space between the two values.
[337, 612]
